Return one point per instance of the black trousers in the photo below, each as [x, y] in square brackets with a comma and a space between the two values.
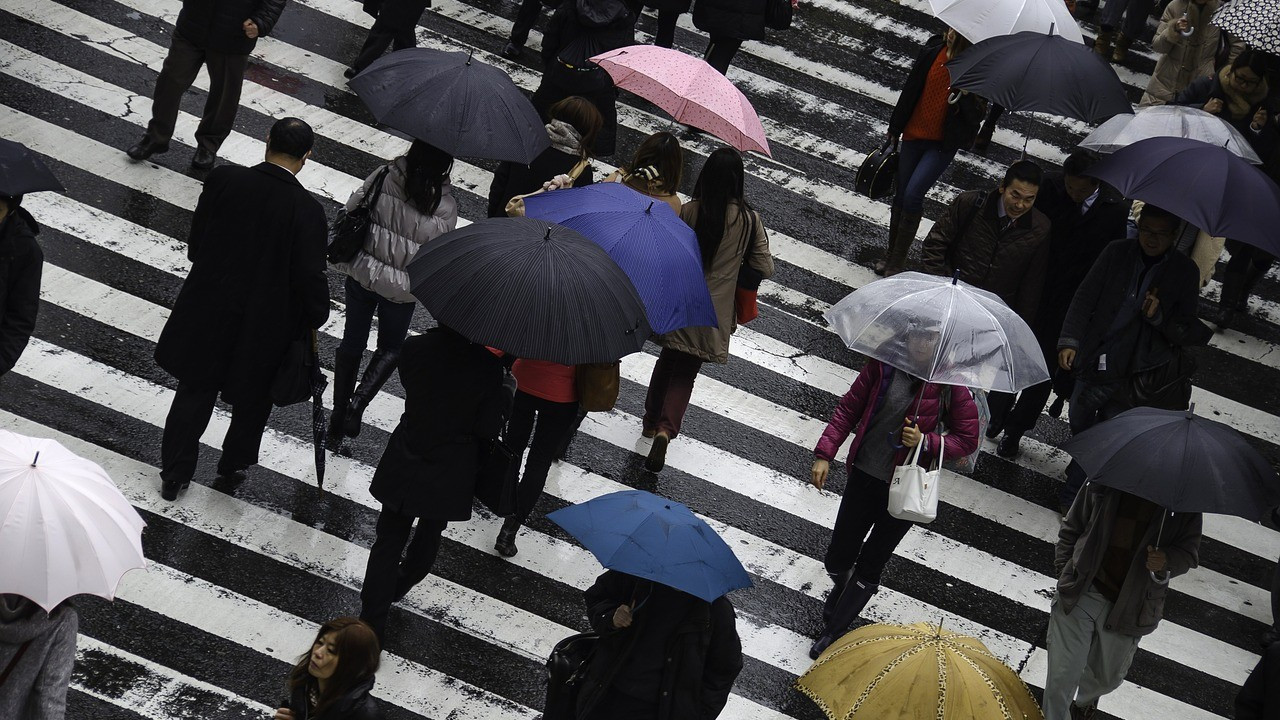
[189, 417]
[720, 52]
[396, 564]
[396, 26]
[864, 507]
[1018, 413]
[666, 34]
[555, 421]
[526, 16]
[181, 65]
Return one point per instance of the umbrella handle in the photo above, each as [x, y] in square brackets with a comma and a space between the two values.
[1157, 580]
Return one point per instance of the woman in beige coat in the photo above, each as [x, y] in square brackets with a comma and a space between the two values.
[1187, 44]
[729, 232]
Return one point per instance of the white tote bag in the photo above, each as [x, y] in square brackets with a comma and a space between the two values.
[913, 491]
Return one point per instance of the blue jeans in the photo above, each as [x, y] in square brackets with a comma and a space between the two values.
[920, 164]
[393, 320]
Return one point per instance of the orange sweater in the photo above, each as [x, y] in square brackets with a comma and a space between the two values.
[931, 109]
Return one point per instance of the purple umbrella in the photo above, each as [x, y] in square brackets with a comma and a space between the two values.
[1208, 186]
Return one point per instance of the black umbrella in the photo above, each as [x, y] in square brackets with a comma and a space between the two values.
[319, 421]
[1041, 73]
[460, 105]
[22, 172]
[531, 288]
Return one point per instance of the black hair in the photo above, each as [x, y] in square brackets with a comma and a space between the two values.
[1079, 162]
[291, 136]
[1153, 212]
[721, 181]
[1024, 170]
[1252, 59]
[426, 169]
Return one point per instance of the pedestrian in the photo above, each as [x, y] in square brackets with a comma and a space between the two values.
[728, 23]
[1240, 95]
[1127, 16]
[1187, 44]
[1245, 268]
[1085, 215]
[1124, 319]
[1259, 697]
[218, 35]
[547, 392]
[889, 413]
[656, 169]
[415, 205]
[1110, 548]
[730, 233]
[257, 282]
[669, 12]
[37, 652]
[23, 263]
[578, 31]
[334, 679]
[526, 16]
[933, 122]
[395, 26]
[453, 401]
[663, 654]
[572, 129]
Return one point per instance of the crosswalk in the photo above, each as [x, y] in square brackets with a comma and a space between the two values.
[237, 584]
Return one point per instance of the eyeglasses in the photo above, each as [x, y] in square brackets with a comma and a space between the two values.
[1152, 233]
[1247, 82]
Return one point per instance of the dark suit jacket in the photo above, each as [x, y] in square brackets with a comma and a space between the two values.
[21, 263]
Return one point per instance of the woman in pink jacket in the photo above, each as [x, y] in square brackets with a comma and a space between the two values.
[889, 412]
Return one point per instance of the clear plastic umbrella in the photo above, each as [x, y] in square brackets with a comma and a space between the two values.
[1169, 121]
[978, 20]
[942, 330]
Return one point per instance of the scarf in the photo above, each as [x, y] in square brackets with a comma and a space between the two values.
[1240, 106]
[564, 137]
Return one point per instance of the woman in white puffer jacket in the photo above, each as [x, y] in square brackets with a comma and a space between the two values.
[416, 204]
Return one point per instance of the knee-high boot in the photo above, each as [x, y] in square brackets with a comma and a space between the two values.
[839, 581]
[855, 597]
[346, 367]
[895, 217]
[380, 368]
[901, 247]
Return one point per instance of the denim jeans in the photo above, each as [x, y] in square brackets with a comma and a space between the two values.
[920, 164]
[393, 320]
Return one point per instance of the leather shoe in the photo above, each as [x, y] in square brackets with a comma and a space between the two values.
[350, 73]
[994, 430]
[203, 159]
[1009, 445]
[511, 51]
[145, 148]
[657, 458]
[822, 643]
[169, 489]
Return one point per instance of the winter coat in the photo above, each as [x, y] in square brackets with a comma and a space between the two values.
[1010, 263]
[1259, 697]
[37, 686]
[704, 654]
[854, 412]
[21, 263]
[581, 29]
[512, 179]
[711, 344]
[1083, 539]
[218, 25]
[734, 19]
[1201, 90]
[964, 116]
[396, 232]
[1106, 316]
[357, 704]
[669, 5]
[453, 399]
[1182, 59]
[257, 281]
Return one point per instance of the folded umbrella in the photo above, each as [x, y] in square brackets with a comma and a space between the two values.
[978, 20]
[532, 289]
[456, 103]
[319, 419]
[1206, 185]
[1169, 121]
[652, 245]
[22, 171]
[651, 537]
[1256, 23]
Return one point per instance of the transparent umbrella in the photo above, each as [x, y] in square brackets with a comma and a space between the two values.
[941, 330]
[1169, 121]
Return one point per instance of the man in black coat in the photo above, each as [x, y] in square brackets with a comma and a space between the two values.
[257, 282]
[1085, 216]
[21, 263]
[219, 35]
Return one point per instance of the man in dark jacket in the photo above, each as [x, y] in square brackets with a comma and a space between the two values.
[1085, 216]
[663, 654]
[396, 26]
[21, 263]
[453, 400]
[257, 282]
[219, 35]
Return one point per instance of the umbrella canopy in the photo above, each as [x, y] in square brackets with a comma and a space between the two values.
[692, 91]
[65, 528]
[979, 20]
[319, 419]
[22, 172]
[1203, 184]
[1179, 461]
[941, 330]
[652, 245]
[1169, 121]
[651, 537]
[907, 672]
[1042, 73]
[532, 289]
[1255, 22]
[460, 105]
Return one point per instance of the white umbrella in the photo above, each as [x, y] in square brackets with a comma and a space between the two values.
[979, 20]
[941, 330]
[64, 527]
[1169, 121]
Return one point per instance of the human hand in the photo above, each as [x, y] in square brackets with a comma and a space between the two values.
[283, 714]
[1066, 357]
[911, 434]
[1259, 120]
[818, 476]
[1157, 560]
[1150, 304]
[1183, 25]
[558, 182]
[1213, 106]
[250, 29]
[622, 617]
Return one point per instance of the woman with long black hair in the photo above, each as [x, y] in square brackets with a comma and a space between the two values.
[333, 679]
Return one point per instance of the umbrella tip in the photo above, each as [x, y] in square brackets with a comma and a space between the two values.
[1191, 410]
[34, 459]
[650, 208]
[547, 237]
[470, 52]
[1052, 27]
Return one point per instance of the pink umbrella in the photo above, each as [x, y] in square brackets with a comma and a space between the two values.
[691, 90]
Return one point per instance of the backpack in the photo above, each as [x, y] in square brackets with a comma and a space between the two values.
[966, 464]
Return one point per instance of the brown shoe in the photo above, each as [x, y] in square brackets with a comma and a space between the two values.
[1121, 52]
[1102, 44]
[658, 453]
[648, 433]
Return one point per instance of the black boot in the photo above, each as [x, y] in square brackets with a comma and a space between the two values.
[506, 543]
[901, 247]
[895, 218]
[376, 374]
[1233, 297]
[346, 367]
[838, 581]
[855, 597]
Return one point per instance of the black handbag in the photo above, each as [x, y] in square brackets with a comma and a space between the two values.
[1167, 387]
[875, 177]
[497, 474]
[296, 373]
[351, 228]
[777, 14]
[566, 667]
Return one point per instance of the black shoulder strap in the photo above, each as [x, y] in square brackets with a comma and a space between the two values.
[13, 662]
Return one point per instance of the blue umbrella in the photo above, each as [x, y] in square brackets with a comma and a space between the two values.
[651, 537]
[652, 245]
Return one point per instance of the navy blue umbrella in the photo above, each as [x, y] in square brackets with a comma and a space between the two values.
[651, 537]
[21, 171]
[652, 245]
[1206, 185]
